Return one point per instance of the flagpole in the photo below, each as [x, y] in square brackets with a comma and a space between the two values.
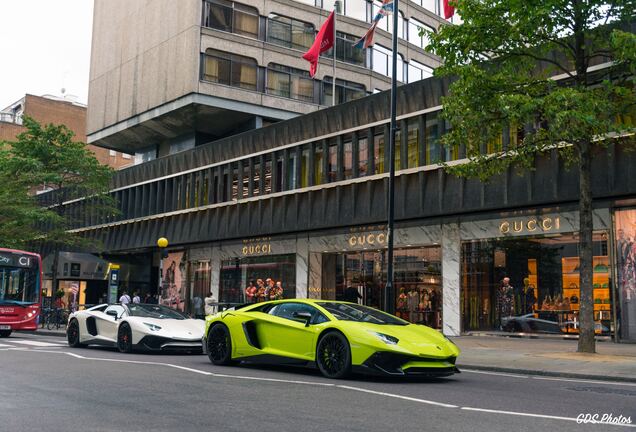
[333, 84]
[389, 300]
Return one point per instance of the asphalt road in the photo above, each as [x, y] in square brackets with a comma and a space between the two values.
[46, 386]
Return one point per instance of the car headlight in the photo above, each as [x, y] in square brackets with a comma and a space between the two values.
[153, 327]
[389, 340]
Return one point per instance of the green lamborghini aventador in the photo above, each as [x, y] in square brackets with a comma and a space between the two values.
[338, 337]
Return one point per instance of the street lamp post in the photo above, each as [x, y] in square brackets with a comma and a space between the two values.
[389, 299]
[162, 244]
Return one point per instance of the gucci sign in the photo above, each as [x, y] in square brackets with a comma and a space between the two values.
[531, 225]
[364, 239]
[257, 249]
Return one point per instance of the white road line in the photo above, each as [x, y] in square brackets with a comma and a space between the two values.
[5, 346]
[547, 378]
[392, 395]
[584, 381]
[494, 373]
[319, 384]
[34, 343]
[521, 414]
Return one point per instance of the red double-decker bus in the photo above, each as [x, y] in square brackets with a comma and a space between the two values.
[20, 288]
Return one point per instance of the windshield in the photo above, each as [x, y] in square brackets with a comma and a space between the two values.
[154, 311]
[359, 313]
[18, 285]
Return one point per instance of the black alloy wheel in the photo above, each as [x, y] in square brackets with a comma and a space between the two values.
[5, 333]
[124, 338]
[73, 334]
[220, 345]
[333, 355]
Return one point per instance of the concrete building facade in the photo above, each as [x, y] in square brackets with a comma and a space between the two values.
[168, 76]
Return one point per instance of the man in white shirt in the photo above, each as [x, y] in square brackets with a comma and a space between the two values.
[125, 298]
[136, 298]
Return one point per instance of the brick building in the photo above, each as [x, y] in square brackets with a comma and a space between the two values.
[51, 109]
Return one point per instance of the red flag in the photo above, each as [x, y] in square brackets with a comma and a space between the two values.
[449, 10]
[323, 42]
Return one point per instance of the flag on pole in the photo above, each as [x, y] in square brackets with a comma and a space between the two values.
[449, 10]
[324, 41]
[367, 40]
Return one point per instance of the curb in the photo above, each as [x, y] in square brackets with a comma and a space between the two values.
[43, 332]
[548, 373]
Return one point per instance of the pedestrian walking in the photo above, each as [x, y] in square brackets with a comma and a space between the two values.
[136, 299]
[125, 298]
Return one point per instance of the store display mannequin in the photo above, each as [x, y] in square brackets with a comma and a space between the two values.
[413, 303]
[505, 301]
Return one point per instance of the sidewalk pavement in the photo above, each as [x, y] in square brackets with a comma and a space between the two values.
[551, 357]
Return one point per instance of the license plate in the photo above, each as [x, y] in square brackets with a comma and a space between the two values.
[5, 327]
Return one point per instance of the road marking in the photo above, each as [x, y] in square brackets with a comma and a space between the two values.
[392, 395]
[5, 346]
[546, 378]
[317, 384]
[35, 343]
[494, 373]
[584, 381]
[522, 414]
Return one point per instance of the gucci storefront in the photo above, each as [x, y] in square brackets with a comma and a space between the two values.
[352, 266]
[515, 272]
[521, 274]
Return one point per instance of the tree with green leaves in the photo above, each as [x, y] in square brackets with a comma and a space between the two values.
[48, 156]
[538, 76]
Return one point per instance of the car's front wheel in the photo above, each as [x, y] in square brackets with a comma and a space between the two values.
[333, 355]
[220, 345]
[5, 333]
[73, 334]
[124, 338]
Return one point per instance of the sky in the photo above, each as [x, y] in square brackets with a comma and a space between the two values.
[45, 46]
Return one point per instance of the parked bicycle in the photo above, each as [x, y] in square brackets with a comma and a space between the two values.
[56, 318]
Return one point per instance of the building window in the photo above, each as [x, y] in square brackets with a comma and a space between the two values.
[347, 163]
[332, 164]
[231, 17]
[433, 150]
[414, 27]
[381, 62]
[230, 69]
[289, 82]
[289, 32]
[318, 156]
[413, 142]
[345, 91]
[237, 273]
[357, 9]
[378, 149]
[363, 156]
[401, 21]
[346, 52]
[417, 71]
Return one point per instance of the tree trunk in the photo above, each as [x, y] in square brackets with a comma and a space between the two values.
[586, 312]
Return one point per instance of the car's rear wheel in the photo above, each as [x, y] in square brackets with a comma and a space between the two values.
[220, 345]
[333, 355]
[124, 338]
[5, 333]
[73, 334]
